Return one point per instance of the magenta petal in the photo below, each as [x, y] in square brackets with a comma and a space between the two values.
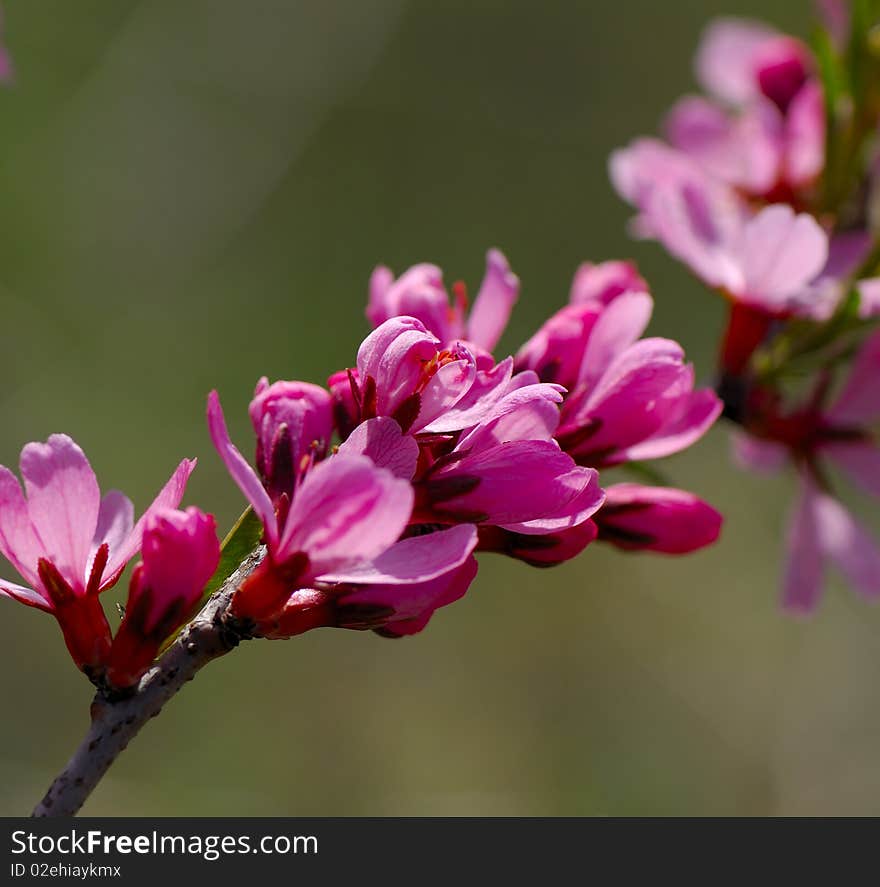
[346, 510]
[725, 62]
[804, 561]
[859, 402]
[445, 389]
[19, 542]
[418, 559]
[381, 440]
[63, 502]
[637, 517]
[242, 473]
[495, 300]
[698, 412]
[168, 497]
[571, 513]
[415, 604]
[180, 554]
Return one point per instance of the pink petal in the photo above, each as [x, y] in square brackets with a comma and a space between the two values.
[414, 605]
[570, 514]
[616, 328]
[445, 389]
[637, 517]
[346, 510]
[859, 402]
[63, 502]
[698, 412]
[753, 454]
[23, 595]
[418, 559]
[804, 562]
[168, 497]
[381, 440]
[115, 524]
[861, 461]
[19, 542]
[495, 300]
[529, 413]
[780, 252]
[744, 150]
[180, 554]
[604, 282]
[725, 62]
[848, 545]
[805, 136]
[869, 298]
[242, 473]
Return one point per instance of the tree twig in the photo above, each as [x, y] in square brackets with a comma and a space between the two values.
[116, 722]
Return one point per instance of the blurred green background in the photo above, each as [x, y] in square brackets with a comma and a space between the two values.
[192, 194]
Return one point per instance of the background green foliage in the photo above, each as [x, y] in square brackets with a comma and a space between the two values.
[193, 194]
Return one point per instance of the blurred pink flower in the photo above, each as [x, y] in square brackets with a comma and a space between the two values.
[180, 553]
[67, 542]
[822, 530]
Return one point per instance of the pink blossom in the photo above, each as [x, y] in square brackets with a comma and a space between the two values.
[636, 517]
[605, 281]
[403, 372]
[293, 422]
[67, 542]
[420, 293]
[343, 526]
[180, 554]
[841, 433]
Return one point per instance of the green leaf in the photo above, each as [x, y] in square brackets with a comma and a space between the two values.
[241, 541]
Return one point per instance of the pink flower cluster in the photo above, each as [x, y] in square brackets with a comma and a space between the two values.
[445, 451]
[739, 192]
[70, 544]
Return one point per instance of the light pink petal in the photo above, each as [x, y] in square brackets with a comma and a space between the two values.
[752, 454]
[495, 300]
[744, 149]
[237, 466]
[168, 497]
[804, 570]
[418, 559]
[698, 412]
[861, 461]
[381, 440]
[378, 309]
[346, 511]
[805, 136]
[488, 387]
[449, 384]
[63, 502]
[616, 328]
[780, 253]
[848, 545]
[637, 517]
[115, 524]
[529, 413]
[23, 595]
[604, 282]
[725, 61]
[869, 298]
[572, 513]
[19, 542]
[859, 402]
